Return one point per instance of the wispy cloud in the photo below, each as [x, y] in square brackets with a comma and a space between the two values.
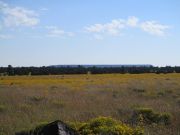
[5, 36]
[17, 16]
[112, 28]
[154, 28]
[98, 37]
[43, 9]
[57, 32]
[115, 27]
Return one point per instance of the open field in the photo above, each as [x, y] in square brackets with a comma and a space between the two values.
[26, 101]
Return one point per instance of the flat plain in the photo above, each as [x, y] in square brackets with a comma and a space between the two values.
[26, 101]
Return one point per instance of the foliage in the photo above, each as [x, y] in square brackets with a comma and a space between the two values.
[107, 126]
[97, 126]
[148, 116]
[2, 108]
[37, 98]
[139, 90]
[53, 70]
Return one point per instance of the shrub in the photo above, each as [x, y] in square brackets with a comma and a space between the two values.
[148, 116]
[98, 126]
[108, 126]
[2, 108]
[37, 98]
[76, 125]
[165, 118]
[139, 90]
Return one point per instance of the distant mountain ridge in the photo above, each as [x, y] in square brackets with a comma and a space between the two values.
[105, 66]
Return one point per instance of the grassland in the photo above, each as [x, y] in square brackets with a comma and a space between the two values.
[26, 101]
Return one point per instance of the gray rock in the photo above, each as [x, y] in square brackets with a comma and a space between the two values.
[54, 128]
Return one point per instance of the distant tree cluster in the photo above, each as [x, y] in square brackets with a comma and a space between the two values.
[85, 70]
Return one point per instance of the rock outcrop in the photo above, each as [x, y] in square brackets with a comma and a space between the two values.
[54, 128]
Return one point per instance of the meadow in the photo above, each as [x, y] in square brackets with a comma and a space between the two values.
[26, 101]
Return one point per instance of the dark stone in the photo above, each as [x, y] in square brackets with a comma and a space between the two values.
[54, 128]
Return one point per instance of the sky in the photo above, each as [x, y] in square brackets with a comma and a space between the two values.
[53, 32]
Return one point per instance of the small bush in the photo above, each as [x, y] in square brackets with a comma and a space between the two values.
[139, 90]
[2, 108]
[37, 98]
[76, 125]
[107, 126]
[148, 116]
[98, 126]
[165, 118]
[162, 93]
[115, 94]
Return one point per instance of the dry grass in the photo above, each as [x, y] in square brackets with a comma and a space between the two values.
[26, 101]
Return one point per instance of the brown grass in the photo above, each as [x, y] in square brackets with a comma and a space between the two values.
[26, 101]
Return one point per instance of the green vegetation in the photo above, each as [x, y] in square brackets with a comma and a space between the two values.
[148, 116]
[107, 126]
[97, 126]
[2, 108]
[80, 69]
[36, 130]
[80, 98]
[37, 98]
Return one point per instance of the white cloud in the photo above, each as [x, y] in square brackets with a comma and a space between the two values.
[132, 21]
[3, 5]
[154, 28]
[112, 28]
[95, 28]
[51, 27]
[17, 16]
[56, 32]
[98, 37]
[0, 26]
[115, 27]
[43, 9]
[5, 36]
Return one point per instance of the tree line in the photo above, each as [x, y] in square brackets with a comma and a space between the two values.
[11, 71]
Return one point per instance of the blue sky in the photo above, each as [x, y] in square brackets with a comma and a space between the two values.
[44, 32]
